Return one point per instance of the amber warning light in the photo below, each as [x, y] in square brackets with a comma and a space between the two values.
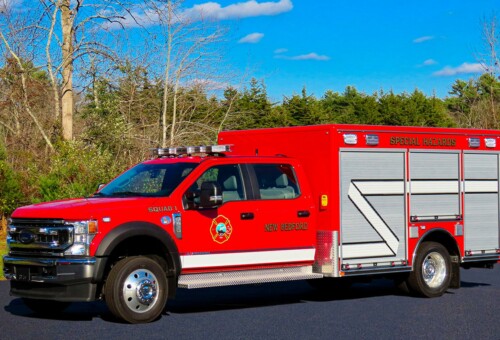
[324, 202]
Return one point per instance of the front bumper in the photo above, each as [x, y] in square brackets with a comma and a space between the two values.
[60, 279]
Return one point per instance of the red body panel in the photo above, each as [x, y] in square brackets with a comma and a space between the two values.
[318, 148]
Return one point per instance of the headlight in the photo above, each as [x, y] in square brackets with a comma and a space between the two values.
[10, 229]
[83, 233]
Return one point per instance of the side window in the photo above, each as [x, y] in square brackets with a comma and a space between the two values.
[276, 181]
[228, 177]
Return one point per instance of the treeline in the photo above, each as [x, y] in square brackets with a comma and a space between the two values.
[118, 120]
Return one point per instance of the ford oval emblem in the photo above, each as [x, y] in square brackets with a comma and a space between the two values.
[26, 237]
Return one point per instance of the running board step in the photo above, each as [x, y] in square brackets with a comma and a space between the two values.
[242, 277]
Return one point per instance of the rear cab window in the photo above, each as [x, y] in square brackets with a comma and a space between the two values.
[276, 181]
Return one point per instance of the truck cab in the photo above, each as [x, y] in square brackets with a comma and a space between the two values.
[172, 221]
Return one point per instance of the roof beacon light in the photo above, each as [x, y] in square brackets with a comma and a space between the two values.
[490, 142]
[190, 150]
[350, 138]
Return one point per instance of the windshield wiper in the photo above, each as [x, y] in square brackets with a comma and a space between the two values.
[125, 193]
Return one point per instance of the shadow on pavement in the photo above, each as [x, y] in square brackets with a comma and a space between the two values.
[464, 284]
[272, 294]
[78, 311]
[232, 297]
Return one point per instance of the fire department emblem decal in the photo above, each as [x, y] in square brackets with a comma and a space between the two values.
[221, 229]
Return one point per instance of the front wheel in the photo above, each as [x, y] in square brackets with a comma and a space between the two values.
[431, 275]
[136, 290]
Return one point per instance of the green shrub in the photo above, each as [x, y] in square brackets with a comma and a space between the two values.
[76, 170]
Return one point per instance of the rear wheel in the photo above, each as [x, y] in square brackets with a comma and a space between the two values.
[136, 289]
[431, 275]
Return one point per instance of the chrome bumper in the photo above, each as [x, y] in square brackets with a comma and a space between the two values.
[53, 270]
[60, 279]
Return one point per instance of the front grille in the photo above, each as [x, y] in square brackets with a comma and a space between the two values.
[39, 236]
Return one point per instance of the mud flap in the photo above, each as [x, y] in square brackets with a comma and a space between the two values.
[455, 272]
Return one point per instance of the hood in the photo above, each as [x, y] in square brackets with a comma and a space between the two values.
[80, 208]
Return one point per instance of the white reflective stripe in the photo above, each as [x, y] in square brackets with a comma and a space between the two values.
[381, 187]
[481, 186]
[247, 258]
[365, 250]
[416, 187]
[373, 218]
[434, 187]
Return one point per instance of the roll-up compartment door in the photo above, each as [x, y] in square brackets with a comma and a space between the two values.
[373, 227]
[481, 205]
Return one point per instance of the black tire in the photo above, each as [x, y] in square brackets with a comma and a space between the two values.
[46, 307]
[431, 275]
[136, 289]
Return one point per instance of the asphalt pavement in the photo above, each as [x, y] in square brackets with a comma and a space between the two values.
[291, 310]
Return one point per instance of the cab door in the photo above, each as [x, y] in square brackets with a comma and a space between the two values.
[221, 236]
[283, 213]
[246, 229]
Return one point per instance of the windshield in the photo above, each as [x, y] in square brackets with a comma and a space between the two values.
[149, 180]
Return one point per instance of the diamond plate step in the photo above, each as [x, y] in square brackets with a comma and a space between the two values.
[242, 277]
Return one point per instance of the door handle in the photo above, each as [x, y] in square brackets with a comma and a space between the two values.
[247, 216]
[303, 213]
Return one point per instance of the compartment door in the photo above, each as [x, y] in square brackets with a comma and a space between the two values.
[481, 218]
[373, 207]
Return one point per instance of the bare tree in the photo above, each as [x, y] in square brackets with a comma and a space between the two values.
[68, 15]
[17, 35]
[190, 49]
[492, 66]
[491, 39]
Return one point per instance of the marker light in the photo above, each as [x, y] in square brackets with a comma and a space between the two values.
[474, 142]
[350, 138]
[371, 139]
[490, 142]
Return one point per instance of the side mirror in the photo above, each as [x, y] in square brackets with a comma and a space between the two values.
[102, 185]
[211, 195]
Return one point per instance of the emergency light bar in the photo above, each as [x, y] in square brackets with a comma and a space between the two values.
[189, 150]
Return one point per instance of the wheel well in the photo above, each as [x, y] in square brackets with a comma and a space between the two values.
[145, 246]
[446, 239]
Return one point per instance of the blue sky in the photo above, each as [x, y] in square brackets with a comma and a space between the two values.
[372, 45]
[331, 44]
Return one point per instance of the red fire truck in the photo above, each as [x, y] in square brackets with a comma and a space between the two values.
[327, 203]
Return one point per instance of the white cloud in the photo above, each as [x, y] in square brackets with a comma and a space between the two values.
[465, 68]
[251, 38]
[429, 62]
[423, 39]
[280, 50]
[309, 56]
[252, 8]
[139, 16]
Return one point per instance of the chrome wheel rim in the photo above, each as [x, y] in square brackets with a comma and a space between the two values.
[434, 270]
[140, 290]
